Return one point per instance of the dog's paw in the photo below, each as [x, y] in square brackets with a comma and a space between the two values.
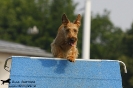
[71, 59]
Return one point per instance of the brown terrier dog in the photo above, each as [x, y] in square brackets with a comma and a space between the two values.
[65, 43]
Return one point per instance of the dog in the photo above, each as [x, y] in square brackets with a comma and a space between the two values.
[65, 43]
[5, 81]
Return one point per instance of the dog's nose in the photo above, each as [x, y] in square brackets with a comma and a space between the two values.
[72, 39]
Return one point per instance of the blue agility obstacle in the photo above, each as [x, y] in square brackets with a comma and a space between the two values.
[41, 72]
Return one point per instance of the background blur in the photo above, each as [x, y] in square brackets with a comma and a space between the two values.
[35, 23]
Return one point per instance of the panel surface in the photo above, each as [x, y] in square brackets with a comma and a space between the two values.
[56, 73]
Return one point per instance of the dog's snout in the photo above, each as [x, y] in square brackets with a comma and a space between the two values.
[72, 39]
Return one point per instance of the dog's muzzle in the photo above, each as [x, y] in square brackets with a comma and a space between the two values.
[71, 41]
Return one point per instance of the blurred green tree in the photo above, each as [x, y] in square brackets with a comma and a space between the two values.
[127, 57]
[105, 37]
[17, 17]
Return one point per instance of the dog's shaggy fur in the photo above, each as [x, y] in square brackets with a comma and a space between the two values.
[65, 43]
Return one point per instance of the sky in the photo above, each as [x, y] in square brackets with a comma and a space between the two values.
[121, 11]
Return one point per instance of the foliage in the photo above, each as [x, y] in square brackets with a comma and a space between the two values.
[105, 38]
[127, 57]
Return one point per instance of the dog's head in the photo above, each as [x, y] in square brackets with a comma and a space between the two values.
[71, 29]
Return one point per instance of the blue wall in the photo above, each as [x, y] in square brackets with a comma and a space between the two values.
[56, 73]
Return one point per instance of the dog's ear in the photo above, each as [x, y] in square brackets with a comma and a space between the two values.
[77, 21]
[65, 20]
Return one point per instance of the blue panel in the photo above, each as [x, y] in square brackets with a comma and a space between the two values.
[53, 73]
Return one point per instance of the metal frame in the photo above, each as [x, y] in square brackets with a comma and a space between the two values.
[125, 69]
[5, 65]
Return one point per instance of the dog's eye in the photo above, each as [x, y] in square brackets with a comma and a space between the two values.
[67, 30]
